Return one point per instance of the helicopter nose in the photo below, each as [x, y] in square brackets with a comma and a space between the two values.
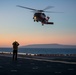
[35, 18]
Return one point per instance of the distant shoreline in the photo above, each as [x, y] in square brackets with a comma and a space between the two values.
[45, 46]
[49, 46]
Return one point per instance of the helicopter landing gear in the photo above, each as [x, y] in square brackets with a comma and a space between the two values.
[34, 20]
[42, 24]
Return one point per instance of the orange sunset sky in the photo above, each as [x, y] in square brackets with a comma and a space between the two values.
[17, 23]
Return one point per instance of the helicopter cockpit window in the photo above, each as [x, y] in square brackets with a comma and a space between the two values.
[43, 15]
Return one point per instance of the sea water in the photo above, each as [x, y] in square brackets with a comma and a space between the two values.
[42, 50]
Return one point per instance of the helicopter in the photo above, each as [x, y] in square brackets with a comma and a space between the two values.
[39, 15]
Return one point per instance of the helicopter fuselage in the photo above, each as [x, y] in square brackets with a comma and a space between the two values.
[39, 16]
[42, 18]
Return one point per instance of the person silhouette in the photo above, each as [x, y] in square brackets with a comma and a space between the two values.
[15, 49]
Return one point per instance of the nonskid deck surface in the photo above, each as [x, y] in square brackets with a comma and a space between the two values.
[35, 66]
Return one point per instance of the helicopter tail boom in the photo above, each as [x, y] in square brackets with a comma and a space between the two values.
[49, 23]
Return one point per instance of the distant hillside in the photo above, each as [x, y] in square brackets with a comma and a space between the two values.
[49, 46]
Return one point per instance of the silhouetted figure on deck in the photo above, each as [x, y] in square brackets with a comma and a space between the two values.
[15, 49]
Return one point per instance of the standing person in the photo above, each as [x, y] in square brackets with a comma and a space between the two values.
[15, 49]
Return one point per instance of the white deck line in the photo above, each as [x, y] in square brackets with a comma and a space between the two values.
[51, 60]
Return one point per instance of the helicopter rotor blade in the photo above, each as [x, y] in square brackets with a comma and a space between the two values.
[48, 7]
[52, 12]
[35, 10]
[26, 8]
